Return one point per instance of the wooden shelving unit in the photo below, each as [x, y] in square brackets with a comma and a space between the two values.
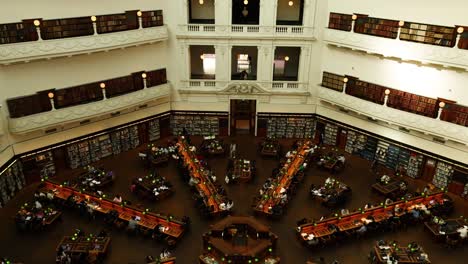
[376, 27]
[413, 103]
[28, 105]
[17, 32]
[454, 113]
[66, 28]
[156, 77]
[290, 126]
[463, 42]
[340, 21]
[367, 91]
[11, 181]
[77, 95]
[429, 34]
[152, 18]
[333, 81]
[196, 123]
[117, 22]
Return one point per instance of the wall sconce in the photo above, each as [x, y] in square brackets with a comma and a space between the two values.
[345, 81]
[37, 24]
[103, 89]
[387, 92]
[441, 108]
[140, 19]
[290, 3]
[143, 75]
[286, 58]
[94, 19]
[51, 99]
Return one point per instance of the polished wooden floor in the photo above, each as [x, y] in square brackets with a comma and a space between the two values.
[40, 247]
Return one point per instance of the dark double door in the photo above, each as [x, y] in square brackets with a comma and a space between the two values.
[243, 116]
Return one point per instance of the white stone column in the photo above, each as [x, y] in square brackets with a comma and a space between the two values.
[304, 65]
[222, 67]
[265, 63]
[184, 50]
[267, 19]
[223, 12]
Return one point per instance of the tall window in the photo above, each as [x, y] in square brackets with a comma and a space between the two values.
[209, 64]
[279, 67]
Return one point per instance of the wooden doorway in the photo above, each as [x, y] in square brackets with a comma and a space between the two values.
[243, 114]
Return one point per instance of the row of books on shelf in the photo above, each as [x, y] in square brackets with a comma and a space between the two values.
[333, 81]
[410, 31]
[77, 26]
[11, 181]
[290, 127]
[443, 175]
[330, 134]
[195, 124]
[88, 151]
[154, 130]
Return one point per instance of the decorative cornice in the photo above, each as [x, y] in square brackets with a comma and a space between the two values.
[405, 50]
[46, 49]
[394, 116]
[47, 120]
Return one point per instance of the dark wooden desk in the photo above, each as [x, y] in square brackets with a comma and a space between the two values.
[390, 190]
[272, 197]
[173, 228]
[242, 170]
[270, 148]
[379, 214]
[404, 255]
[332, 193]
[450, 228]
[85, 244]
[144, 187]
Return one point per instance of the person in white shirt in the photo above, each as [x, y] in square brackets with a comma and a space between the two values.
[288, 154]
[222, 206]
[463, 231]
[38, 205]
[342, 159]
[118, 199]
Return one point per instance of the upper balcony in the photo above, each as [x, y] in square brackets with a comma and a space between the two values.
[35, 39]
[408, 41]
[49, 109]
[275, 87]
[246, 31]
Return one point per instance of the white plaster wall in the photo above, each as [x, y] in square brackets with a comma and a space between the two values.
[205, 11]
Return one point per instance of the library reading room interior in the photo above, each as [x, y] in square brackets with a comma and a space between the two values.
[233, 131]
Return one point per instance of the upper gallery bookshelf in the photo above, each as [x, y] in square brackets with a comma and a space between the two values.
[82, 94]
[66, 28]
[445, 36]
[429, 34]
[376, 26]
[340, 21]
[77, 26]
[18, 32]
[333, 81]
[401, 100]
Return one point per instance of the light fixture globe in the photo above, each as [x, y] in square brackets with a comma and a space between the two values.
[460, 30]
[401, 23]
[202, 57]
[37, 23]
[50, 95]
[201, 2]
[102, 85]
[354, 17]
[286, 58]
[387, 92]
[143, 75]
[345, 80]
[290, 3]
[442, 104]
[246, 2]
[93, 18]
[139, 13]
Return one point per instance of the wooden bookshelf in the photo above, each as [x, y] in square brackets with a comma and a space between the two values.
[429, 34]
[121, 85]
[340, 21]
[28, 105]
[76, 95]
[117, 22]
[463, 42]
[413, 103]
[333, 81]
[376, 27]
[364, 90]
[17, 32]
[156, 77]
[66, 28]
[455, 113]
[152, 18]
